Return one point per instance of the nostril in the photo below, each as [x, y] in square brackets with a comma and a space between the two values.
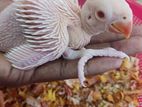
[112, 24]
[89, 17]
[124, 17]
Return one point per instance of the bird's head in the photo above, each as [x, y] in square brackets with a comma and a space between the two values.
[115, 16]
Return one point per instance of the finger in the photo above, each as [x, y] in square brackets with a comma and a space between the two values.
[63, 69]
[106, 37]
[1, 99]
[98, 46]
[57, 70]
[131, 46]
[5, 67]
[112, 37]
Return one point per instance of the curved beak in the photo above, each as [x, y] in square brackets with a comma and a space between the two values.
[121, 28]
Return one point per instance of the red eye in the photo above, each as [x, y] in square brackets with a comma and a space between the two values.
[100, 14]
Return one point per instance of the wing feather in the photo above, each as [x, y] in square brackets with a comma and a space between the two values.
[45, 29]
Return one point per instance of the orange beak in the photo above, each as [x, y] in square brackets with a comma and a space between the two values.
[122, 28]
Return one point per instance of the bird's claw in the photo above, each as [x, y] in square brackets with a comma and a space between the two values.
[123, 55]
[83, 82]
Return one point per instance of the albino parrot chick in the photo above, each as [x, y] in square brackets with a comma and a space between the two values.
[52, 28]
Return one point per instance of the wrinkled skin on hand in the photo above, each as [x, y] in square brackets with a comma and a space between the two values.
[63, 69]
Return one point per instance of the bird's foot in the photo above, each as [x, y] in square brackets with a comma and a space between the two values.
[90, 53]
[86, 54]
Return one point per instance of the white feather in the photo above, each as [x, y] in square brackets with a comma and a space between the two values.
[49, 41]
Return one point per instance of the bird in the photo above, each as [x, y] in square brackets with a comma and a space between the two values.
[40, 31]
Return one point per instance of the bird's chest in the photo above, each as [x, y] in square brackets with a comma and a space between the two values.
[77, 37]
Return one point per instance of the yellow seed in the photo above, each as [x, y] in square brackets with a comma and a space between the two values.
[103, 79]
[110, 98]
[126, 64]
[97, 96]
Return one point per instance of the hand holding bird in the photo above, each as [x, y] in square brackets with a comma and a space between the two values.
[71, 74]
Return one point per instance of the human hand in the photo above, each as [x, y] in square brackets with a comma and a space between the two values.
[63, 69]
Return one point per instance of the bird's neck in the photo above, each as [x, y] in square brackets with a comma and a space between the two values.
[85, 28]
[78, 37]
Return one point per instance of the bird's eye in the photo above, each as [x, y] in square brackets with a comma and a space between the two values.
[100, 15]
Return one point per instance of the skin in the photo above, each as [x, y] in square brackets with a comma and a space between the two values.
[62, 69]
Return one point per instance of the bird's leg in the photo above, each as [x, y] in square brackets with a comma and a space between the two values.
[86, 54]
[73, 54]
